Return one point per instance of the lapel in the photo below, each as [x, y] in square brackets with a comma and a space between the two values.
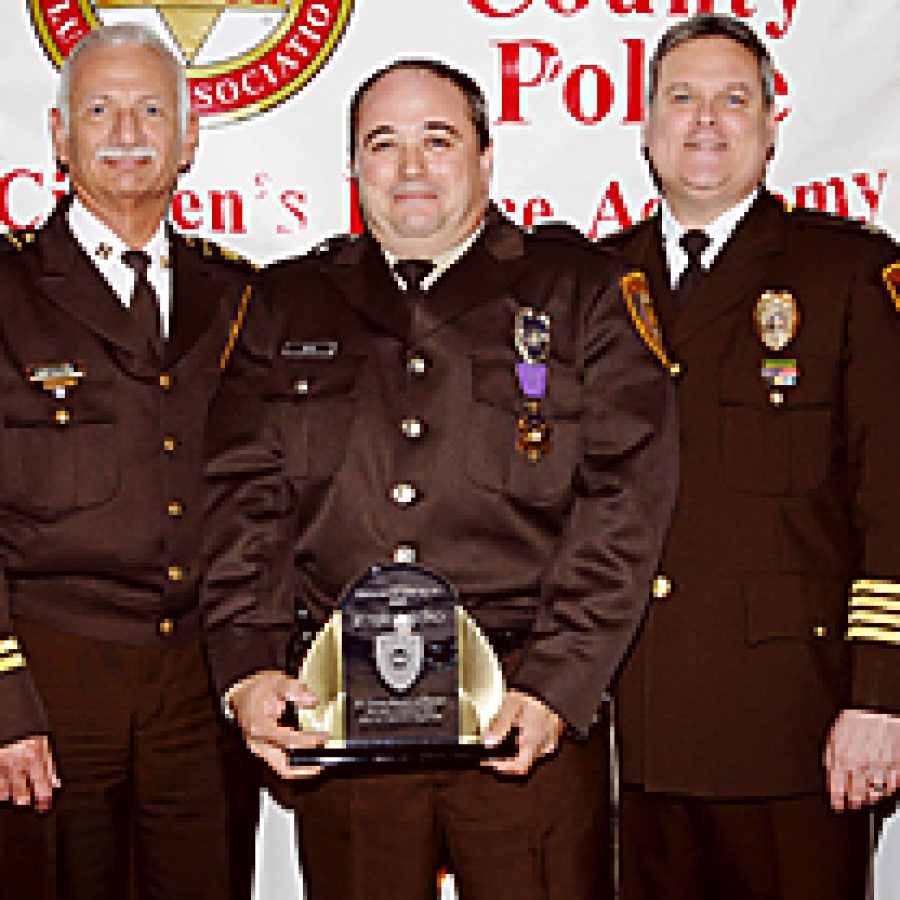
[69, 279]
[494, 261]
[361, 274]
[736, 273]
[196, 296]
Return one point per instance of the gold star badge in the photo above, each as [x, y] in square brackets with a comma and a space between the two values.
[190, 21]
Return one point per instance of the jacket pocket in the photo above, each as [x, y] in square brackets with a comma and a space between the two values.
[782, 449]
[320, 397]
[59, 455]
[799, 607]
[492, 458]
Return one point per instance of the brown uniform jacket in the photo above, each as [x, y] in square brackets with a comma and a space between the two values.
[785, 502]
[304, 452]
[100, 490]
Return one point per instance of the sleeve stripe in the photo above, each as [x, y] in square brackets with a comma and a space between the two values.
[876, 603]
[867, 587]
[884, 619]
[867, 633]
[17, 661]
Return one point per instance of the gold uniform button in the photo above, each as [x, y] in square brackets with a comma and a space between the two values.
[165, 627]
[403, 494]
[63, 416]
[169, 444]
[776, 398]
[301, 386]
[662, 587]
[165, 381]
[175, 573]
[175, 508]
[412, 428]
[820, 631]
[416, 365]
[405, 554]
[675, 370]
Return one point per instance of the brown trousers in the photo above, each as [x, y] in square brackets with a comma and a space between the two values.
[796, 848]
[384, 837]
[157, 803]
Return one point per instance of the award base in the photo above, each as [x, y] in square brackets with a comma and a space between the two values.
[411, 755]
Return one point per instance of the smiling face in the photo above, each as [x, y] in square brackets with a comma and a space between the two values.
[124, 145]
[708, 128]
[423, 180]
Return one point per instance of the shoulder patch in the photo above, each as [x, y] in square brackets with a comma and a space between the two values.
[891, 277]
[234, 328]
[636, 292]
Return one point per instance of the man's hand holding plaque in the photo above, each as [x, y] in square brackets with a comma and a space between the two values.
[258, 704]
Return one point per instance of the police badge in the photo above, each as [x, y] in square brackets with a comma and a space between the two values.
[399, 655]
[776, 318]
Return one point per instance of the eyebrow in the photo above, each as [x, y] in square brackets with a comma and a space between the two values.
[430, 125]
[730, 86]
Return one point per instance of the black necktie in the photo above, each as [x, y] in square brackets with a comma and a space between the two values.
[413, 272]
[693, 243]
[144, 302]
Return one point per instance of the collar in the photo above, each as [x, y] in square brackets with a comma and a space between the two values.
[442, 262]
[719, 231]
[105, 248]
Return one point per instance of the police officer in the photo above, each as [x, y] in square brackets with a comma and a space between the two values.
[113, 765]
[772, 635]
[376, 414]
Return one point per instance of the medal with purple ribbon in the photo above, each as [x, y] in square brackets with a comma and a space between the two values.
[532, 337]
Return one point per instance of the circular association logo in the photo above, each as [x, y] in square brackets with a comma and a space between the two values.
[242, 57]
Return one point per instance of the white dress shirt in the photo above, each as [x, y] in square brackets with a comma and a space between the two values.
[105, 249]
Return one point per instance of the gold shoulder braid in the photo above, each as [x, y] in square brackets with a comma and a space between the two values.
[234, 329]
[891, 276]
[636, 291]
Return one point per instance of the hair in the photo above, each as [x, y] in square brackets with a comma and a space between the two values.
[706, 25]
[121, 35]
[468, 87]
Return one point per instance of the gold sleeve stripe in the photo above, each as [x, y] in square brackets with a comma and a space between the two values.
[891, 606]
[871, 586]
[869, 633]
[875, 617]
[235, 330]
[11, 663]
[7, 645]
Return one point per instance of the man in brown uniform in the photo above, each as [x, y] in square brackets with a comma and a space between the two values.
[775, 611]
[112, 332]
[372, 417]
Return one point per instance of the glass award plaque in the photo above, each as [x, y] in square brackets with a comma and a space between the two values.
[403, 675]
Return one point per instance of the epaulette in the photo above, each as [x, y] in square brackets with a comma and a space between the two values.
[18, 240]
[235, 326]
[333, 243]
[558, 231]
[210, 250]
[636, 294]
[833, 221]
[622, 236]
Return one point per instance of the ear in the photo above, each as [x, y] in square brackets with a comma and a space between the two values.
[189, 141]
[486, 165]
[771, 129]
[59, 137]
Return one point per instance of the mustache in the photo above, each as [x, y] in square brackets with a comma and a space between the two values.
[126, 153]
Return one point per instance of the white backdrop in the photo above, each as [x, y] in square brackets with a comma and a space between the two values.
[564, 79]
